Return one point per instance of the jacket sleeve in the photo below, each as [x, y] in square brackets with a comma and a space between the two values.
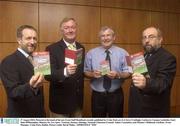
[163, 78]
[11, 78]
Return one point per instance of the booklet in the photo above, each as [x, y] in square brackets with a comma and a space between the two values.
[41, 62]
[137, 62]
[104, 67]
[73, 56]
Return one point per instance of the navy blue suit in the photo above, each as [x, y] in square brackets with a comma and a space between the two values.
[65, 93]
[16, 71]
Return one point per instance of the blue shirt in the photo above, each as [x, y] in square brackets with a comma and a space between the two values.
[118, 63]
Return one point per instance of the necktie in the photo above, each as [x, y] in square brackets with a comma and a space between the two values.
[106, 79]
[30, 58]
[147, 56]
[71, 46]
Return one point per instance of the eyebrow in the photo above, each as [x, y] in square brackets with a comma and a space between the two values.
[150, 35]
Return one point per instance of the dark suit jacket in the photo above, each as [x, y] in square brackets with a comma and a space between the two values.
[154, 100]
[16, 71]
[66, 93]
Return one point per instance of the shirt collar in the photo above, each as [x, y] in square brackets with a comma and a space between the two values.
[110, 50]
[23, 52]
[67, 43]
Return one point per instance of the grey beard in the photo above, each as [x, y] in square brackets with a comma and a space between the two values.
[152, 49]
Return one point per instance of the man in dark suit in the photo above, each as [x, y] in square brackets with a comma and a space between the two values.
[150, 93]
[24, 90]
[66, 81]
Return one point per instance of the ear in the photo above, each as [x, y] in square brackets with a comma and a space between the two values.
[61, 29]
[114, 37]
[160, 39]
[19, 40]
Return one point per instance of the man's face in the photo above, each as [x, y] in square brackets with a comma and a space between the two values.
[150, 40]
[69, 31]
[28, 42]
[107, 38]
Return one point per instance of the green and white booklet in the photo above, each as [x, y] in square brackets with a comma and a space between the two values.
[41, 62]
[137, 62]
[104, 67]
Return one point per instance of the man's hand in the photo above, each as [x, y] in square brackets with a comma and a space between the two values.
[93, 74]
[71, 69]
[96, 74]
[112, 74]
[139, 80]
[36, 80]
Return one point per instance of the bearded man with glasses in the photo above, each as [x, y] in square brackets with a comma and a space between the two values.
[150, 95]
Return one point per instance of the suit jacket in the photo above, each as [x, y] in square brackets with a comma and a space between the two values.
[154, 99]
[16, 71]
[65, 93]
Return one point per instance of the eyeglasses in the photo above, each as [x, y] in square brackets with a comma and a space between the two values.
[150, 37]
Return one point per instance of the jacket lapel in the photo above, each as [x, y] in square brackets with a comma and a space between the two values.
[24, 60]
[63, 44]
[153, 57]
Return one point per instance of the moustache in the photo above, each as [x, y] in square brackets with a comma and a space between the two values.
[148, 45]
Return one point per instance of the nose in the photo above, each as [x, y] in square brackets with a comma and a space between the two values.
[70, 29]
[106, 37]
[145, 40]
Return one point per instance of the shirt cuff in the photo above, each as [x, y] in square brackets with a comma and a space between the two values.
[65, 72]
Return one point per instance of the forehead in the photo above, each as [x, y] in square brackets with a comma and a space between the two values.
[67, 23]
[150, 31]
[28, 31]
[107, 31]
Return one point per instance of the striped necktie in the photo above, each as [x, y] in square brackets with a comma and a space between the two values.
[71, 46]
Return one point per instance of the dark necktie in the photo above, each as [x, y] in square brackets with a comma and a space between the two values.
[147, 57]
[107, 80]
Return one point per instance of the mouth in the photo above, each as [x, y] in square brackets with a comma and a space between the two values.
[70, 35]
[148, 46]
[32, 47]
[107, 41]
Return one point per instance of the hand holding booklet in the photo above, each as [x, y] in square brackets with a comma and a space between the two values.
[41, 62]
[73, 56]
[137, 62]
[104, 67]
